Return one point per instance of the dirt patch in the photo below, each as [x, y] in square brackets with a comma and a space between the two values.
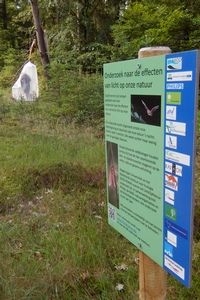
[66, 177]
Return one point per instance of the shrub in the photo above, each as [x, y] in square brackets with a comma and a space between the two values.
[78, 97]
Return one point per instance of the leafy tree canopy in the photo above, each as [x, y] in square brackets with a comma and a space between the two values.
[84, 34]
[153, 23]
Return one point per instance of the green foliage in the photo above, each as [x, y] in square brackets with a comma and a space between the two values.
[153, 24]
[9, 61]
[129, 33]
[175, 30]
[19, 23]
[194, 40]
[88, 58]
[70, 97]
[84, 35]
[75, 97]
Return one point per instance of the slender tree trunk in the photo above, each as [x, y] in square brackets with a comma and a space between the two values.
[40, 35]
[3, 11]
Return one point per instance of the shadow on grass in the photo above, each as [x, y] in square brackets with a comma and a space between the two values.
[63, 176]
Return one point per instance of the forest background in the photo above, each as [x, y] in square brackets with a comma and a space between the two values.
[54, 239]
[82, 35]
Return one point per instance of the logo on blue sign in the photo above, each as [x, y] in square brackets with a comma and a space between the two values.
[174, 63]
[168, 249]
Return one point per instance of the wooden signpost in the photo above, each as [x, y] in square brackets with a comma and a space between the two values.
[152, 278]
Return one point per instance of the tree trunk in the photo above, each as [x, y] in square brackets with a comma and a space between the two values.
[3, 11]
[40, 35]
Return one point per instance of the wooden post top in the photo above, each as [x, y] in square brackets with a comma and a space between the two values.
[153, 51]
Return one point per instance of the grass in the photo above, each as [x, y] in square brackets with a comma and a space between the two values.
[55, 242]
[54, 233]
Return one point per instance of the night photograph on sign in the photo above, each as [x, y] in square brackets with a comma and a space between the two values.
[146, 109]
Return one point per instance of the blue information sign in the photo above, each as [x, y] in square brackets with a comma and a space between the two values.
[181, 94]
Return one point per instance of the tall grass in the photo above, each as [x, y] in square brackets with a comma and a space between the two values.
[55, 242]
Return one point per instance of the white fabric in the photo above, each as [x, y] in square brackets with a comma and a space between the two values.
[26, 87]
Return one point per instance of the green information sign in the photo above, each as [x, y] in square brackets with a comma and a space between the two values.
[150, 131]
[134, 110]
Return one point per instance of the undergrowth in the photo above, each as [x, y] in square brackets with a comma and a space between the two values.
[55, 242]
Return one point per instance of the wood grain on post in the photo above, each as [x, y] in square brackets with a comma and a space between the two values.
[152, 278]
